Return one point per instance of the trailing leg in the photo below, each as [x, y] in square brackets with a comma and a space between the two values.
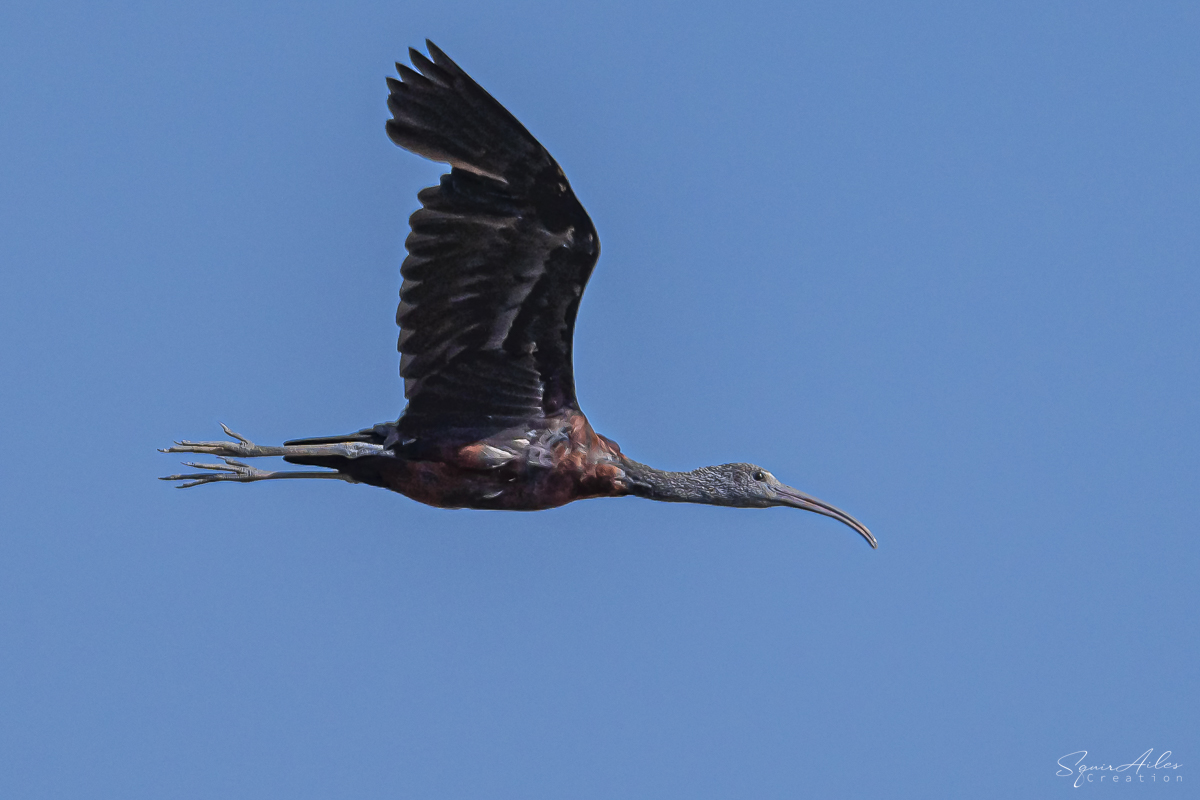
[244, 448]
[238, 472]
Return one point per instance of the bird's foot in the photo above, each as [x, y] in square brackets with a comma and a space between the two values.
[238, 472]
[229, 471]
[242, 448]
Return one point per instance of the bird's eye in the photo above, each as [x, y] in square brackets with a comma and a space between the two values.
[760, 476]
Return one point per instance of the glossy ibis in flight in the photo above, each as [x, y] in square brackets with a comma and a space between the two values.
[497, 260]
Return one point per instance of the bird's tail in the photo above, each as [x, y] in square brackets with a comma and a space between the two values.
[369, 435]
[440, 113]
[365, 469]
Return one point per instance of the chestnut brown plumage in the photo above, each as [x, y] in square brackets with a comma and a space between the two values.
[498, 258]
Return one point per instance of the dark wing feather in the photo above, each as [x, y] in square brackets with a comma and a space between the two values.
[498, 259]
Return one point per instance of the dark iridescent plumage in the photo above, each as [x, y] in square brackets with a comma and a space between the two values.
[499, 255]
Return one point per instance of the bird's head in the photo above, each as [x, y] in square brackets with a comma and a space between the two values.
[751, 486]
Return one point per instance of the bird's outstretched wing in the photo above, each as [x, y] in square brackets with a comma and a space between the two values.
[498, 258]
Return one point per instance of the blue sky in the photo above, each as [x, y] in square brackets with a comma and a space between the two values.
[933, 263]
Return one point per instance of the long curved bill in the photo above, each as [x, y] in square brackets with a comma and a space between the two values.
[798, 499]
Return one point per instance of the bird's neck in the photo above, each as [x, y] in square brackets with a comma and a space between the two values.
[696, 486]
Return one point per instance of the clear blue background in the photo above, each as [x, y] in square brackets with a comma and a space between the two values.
[933, 263]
